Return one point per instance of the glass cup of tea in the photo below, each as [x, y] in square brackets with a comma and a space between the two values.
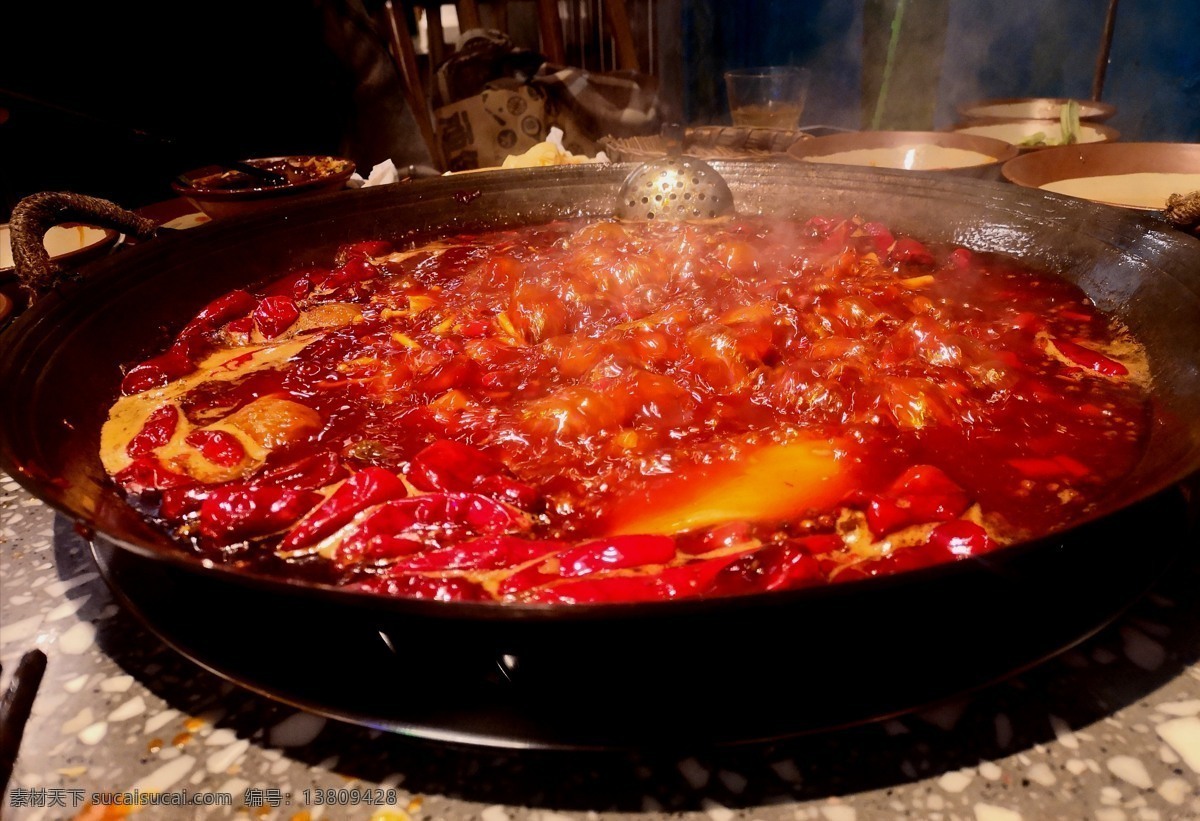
[767, 97]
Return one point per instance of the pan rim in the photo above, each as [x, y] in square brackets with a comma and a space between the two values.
[495, 183]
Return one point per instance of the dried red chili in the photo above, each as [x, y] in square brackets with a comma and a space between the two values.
[584, 413]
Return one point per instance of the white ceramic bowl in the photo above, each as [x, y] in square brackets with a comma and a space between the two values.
[1016, 132]
[1033, 108]
[936, 151]
[63, 242]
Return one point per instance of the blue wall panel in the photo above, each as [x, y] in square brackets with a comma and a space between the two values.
[994, 48]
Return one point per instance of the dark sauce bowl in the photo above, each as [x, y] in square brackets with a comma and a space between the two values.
[225, 192]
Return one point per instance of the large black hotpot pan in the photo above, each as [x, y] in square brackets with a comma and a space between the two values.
[911, 637]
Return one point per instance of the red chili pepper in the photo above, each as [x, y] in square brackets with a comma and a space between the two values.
[823, 225]
[307, 473]
[157, 430]
[1072, 466]
[693, 578]
[449, 465]
[454, 373]
[909, 558]
[950, 541]
[525, 580]
[474, 329]
[370, 248]
[907, 249]
[392, 520]
[1009, 359]
[498, 381]
[156, 372]
[370, 486]
[448, 347]
[479, 514]
[391, 546]
[614, 553]
[726, 535]
[1027, 321]
[233, 513]
[178, 502]
[448, 515]
[241, 326]
[887, 515]
[595, 591]
[221, 310]
[275, 314]
[1092, 360]
[1036, 466]
[818, 545]
[147, 473]
[881, 237]
[684, 581]
[217, 446]
[960, 539]
[354, 269]
[488, 553]
[923, 493]
[775, 567]
[425, 587]
[298, 284]
[511, 492]
[961, 258]
[835, 238]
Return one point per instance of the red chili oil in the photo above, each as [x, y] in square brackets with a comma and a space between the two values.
[547, 391]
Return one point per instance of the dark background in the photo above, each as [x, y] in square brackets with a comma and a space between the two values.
[954, 51]
[115, 99]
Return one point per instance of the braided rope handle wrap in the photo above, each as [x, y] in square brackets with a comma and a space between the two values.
[1183, 211]
[38, 213]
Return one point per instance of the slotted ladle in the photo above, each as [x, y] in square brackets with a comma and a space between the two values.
[674, 187]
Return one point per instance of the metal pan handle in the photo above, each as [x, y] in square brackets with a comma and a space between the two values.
[38, 213]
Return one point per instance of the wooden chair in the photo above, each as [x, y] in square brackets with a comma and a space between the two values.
[394, 22]
[550, 26]
[395, 25]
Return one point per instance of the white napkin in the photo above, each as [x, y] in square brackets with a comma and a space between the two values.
[384, 173]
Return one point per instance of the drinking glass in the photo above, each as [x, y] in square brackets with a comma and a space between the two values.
[767, 97]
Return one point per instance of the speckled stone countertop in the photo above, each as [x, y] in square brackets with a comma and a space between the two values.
[1110, 731]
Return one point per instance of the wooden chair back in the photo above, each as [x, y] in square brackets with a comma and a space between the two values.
[394, 21]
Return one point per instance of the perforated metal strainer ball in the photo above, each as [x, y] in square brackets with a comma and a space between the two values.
[674, 188]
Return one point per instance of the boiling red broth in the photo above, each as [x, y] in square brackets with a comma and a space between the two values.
[610, 412]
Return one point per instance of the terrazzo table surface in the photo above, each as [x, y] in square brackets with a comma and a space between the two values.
[1110, 730]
